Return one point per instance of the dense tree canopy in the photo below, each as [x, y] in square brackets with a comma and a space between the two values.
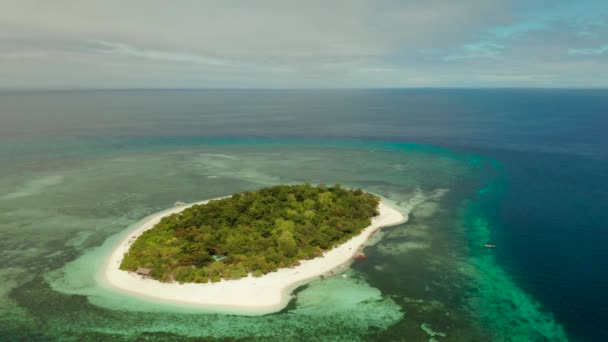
[251, 232]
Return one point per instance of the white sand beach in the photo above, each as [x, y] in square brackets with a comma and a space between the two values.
[250, 295]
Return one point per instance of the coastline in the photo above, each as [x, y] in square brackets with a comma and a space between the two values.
[250, 296]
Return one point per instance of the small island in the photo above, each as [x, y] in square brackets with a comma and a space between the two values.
[251, 233]
[246, 253]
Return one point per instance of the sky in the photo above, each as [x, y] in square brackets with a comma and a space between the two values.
[302, 44]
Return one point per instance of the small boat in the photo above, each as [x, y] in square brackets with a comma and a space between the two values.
[179, 203]
[360, 256]
[344, 276]
[489, 245]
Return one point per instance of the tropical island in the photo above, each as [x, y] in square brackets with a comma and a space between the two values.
[251, 233]
[247, 252]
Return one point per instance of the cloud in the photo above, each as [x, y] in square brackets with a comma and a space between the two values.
[23, 55]
[487, 50]
[169, 56]
[593, 51]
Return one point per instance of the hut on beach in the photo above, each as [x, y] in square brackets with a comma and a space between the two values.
[143, 271]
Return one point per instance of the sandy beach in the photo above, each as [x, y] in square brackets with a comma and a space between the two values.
[250, 295]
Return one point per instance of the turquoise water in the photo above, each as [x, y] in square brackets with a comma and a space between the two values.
[62, 210]
[524, 169]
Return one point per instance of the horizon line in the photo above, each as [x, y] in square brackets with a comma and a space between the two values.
[68, 89]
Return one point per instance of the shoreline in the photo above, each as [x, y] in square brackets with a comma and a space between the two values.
[249, 296]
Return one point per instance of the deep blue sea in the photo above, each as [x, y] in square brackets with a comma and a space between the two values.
[529, 166]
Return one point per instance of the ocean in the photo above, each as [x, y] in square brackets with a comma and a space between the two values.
[524, 169]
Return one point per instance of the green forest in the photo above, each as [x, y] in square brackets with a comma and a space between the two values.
[251, 232]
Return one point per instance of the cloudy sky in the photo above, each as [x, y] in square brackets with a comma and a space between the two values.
[303, 44]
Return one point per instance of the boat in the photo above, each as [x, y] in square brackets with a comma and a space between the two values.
[489, 245]
[360, 256]
[179, 203]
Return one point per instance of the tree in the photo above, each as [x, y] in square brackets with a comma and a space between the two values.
[287, 244]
